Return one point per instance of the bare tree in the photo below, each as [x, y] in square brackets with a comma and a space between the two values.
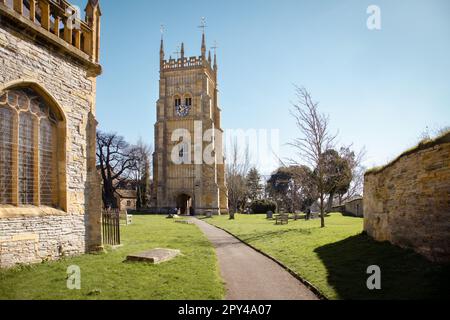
[141, 173]
[238, 166]
[315, 139]
[116, 160]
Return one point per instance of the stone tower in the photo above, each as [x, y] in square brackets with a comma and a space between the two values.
[189, 170]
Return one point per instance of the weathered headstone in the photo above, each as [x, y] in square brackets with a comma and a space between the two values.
[184, 221]
[154, 256]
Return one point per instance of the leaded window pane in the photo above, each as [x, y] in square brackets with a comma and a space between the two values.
[6, 144]
[26, 159]
[46, 162]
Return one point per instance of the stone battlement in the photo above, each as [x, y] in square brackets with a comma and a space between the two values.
[191, 62]
[184, 62]
[58, 22]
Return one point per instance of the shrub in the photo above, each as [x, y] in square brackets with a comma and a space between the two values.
[263, 206]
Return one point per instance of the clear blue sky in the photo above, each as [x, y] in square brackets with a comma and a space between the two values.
[380, 88]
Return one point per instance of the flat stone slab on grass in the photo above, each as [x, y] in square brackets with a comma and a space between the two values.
[184, 221]
[154, 256]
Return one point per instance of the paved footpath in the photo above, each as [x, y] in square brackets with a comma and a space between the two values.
[250, 275]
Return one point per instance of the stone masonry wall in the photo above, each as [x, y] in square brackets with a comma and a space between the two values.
[355, 207]
[68, 83]
[31, 238]
[408, 202]
[35, 239]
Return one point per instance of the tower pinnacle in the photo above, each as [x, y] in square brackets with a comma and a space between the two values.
[161, 50]
[203, 27]
[203, 46]
[215, 54]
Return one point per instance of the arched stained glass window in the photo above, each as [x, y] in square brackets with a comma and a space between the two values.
[28, 153]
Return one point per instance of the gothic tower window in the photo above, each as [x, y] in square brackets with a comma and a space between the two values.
[28, 150]
[184, 153]
[177, 101]
[188, 101]
[181, 152]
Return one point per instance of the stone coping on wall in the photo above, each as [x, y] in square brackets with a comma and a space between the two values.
[445, 138]
[29, 211]
[34, 31]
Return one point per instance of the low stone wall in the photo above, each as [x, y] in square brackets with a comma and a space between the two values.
[355, 208]
[407, 202]
[28, 240]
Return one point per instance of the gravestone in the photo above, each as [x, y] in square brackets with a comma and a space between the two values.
[155, 256]
[184, 221]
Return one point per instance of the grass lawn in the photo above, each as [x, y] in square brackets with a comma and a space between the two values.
[194, 275]
[335, 259]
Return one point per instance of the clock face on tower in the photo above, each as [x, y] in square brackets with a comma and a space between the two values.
[183, 110]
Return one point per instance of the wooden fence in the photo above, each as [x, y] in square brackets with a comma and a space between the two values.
[111, 227]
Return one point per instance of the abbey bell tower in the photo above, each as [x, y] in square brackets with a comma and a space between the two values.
[188, 163]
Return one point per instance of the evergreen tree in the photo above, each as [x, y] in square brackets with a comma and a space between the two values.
[254, 186]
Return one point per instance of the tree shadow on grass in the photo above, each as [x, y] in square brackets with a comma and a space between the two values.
[404, 274]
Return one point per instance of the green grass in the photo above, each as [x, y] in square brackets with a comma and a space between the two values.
[194, 275]
[335, 259]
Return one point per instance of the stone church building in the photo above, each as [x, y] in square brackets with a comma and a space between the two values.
[188, 104]
[50, 196]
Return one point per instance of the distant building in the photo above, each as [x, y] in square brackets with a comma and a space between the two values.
[355, 207]
[125, 194]
[126, 199]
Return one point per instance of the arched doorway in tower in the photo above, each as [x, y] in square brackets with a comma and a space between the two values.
[184, 203]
